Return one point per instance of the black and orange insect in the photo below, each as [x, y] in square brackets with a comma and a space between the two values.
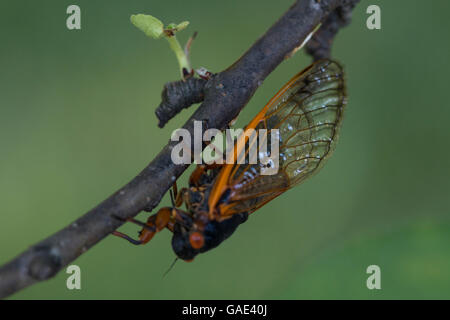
[307, 111]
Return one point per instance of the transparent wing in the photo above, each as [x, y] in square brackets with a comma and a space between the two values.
[308, 114]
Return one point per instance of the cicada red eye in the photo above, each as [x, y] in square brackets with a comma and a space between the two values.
[196, 240]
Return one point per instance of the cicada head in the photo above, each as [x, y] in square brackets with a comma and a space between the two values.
[189, 241]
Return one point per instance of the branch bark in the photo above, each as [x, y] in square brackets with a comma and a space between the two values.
[224, 95]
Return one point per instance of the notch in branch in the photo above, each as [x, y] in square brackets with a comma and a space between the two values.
[179, 95]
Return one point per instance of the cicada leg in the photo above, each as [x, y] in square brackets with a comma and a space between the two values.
[155, 223]
[201, 169]
[177, 198]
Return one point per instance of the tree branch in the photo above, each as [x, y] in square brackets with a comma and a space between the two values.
[224, 95]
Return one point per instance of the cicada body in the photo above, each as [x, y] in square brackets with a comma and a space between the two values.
[307, 113]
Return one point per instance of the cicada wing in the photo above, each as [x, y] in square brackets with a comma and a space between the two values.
[307, 116]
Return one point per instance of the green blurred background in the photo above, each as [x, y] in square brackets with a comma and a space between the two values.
[77, 122]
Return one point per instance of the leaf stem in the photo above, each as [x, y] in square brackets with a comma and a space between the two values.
[183, 61]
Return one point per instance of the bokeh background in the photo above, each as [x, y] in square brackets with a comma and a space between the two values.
[77, 122]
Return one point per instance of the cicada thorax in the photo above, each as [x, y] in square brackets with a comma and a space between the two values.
[201, 232]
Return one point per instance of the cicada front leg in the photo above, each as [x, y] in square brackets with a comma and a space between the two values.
[155, 223]
[178, 197]
[195, 180]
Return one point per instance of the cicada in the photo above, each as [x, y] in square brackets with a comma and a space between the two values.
[307, 113]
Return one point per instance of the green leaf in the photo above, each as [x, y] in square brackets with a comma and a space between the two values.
[177, 27]
[182, 25]
[154, 28]
[151, 26]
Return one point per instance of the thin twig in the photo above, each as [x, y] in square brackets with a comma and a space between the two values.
[225, 95]
[319, 46]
